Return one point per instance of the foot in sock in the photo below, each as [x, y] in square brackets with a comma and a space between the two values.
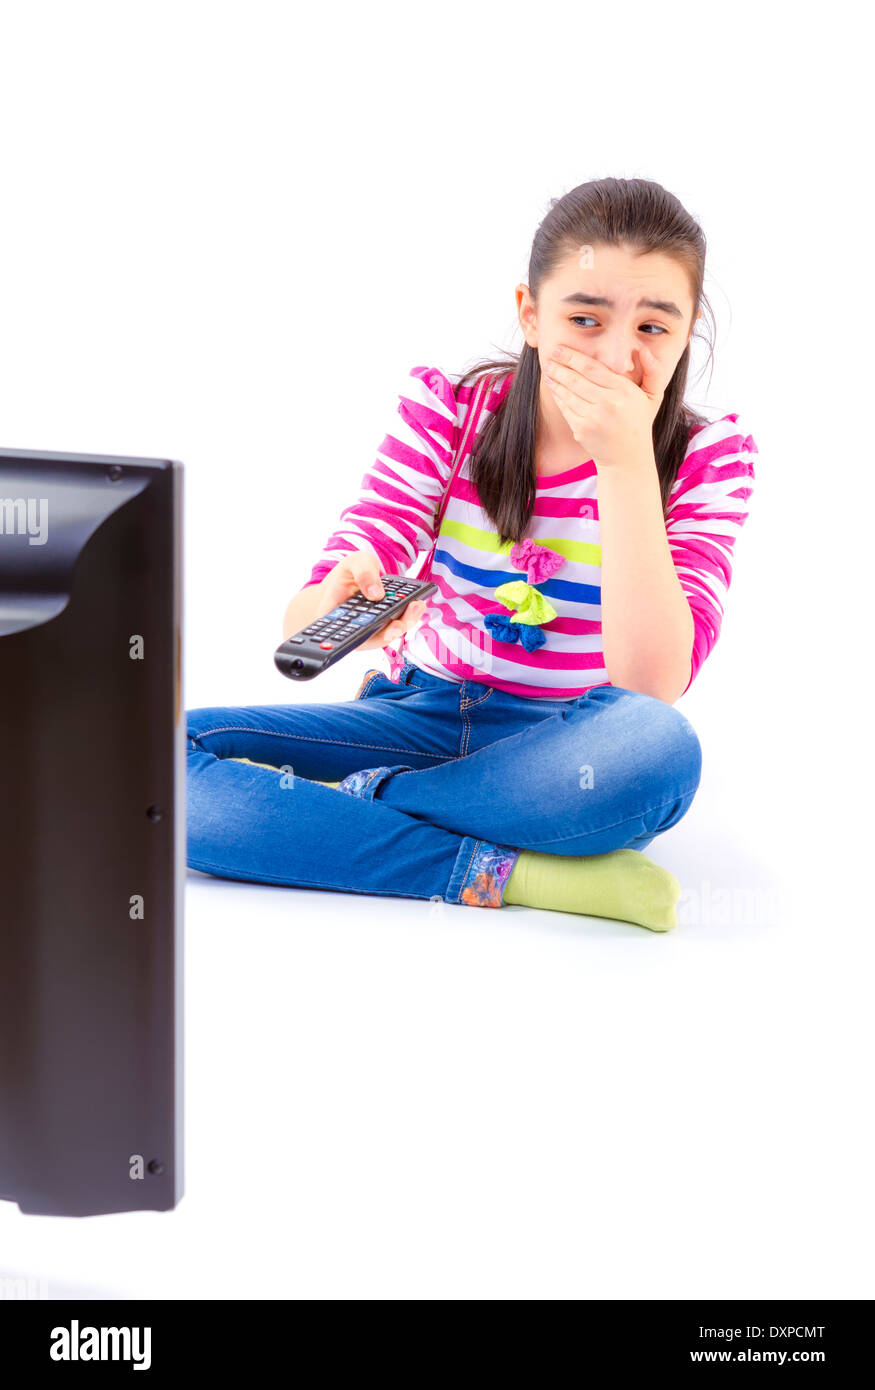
[624, 885]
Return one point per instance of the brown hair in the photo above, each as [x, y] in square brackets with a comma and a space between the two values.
[635, 213]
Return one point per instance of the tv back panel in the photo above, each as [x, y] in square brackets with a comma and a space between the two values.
[92, 833]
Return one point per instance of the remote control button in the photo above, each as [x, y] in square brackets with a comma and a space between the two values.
[326, 646]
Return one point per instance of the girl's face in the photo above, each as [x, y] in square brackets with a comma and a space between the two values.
[607, 302]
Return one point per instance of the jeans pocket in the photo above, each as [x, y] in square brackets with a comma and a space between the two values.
[368, 680]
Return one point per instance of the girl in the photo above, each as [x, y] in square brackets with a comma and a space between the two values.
[524, 748]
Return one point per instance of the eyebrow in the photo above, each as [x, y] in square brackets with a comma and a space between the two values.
[665, 305]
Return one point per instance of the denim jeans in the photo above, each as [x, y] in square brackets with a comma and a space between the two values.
[466, 776]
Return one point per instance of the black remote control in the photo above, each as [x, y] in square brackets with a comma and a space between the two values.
[352, 622]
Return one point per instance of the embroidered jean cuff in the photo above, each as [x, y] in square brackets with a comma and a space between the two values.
[367, 782]
[481, 872]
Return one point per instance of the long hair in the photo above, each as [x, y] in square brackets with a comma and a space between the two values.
[635, 213]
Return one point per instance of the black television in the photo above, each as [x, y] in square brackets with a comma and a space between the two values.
[92, 833]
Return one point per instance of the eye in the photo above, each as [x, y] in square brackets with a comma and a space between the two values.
[575, 318]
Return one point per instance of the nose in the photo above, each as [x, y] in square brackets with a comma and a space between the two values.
[617, 353]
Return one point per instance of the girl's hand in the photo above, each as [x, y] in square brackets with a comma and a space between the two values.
[398, 626]
[359, 572]
[606, 412]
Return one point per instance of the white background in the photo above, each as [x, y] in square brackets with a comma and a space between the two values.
[228, 231]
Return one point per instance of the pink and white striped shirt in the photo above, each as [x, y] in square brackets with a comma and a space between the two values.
[395, 513]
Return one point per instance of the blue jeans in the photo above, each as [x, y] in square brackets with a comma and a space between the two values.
[466, 777]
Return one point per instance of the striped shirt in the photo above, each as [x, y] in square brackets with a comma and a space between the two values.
[395, 514]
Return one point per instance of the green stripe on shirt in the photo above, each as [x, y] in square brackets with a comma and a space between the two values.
[584, 552]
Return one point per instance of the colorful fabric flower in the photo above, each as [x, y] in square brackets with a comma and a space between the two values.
[503, 629]
[531, 606]
[530, 603]
[539, 561]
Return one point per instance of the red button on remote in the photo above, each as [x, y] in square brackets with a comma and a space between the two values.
[326, 645]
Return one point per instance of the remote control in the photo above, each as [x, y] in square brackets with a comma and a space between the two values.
[352, 622]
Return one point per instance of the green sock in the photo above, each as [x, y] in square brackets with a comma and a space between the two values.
[623, 884]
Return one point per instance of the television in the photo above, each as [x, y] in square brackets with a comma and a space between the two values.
[92, 833]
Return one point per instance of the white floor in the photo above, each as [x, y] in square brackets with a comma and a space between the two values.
[393, 1098]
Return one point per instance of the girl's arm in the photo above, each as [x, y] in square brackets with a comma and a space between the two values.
[393, 518]
[647, 623]
[645, 629]
[663, 579]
